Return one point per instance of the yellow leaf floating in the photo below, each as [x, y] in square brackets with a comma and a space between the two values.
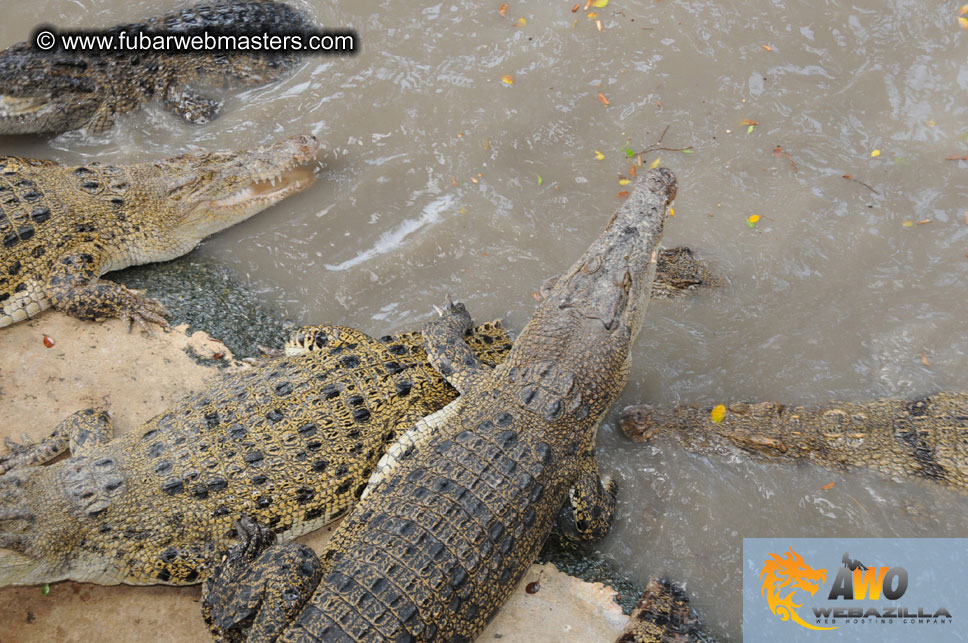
[592, 15]
[672, 212]
[598, 4]
[521, 22]
[963, 11]
[599, 156]
[624, 181]
[908, 224]
[654, 164]
[963, 22]
[507, 80]
[876, 153]
[718, 413]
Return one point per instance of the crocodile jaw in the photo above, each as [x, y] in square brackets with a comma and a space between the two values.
[246, 183]
[40, 113]
[261, 194]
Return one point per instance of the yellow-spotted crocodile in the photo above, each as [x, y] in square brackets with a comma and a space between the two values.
[62, 227]
[60, 90]
[924, 438]
[290, 443]
[460, 506]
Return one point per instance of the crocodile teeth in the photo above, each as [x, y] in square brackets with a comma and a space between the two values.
[270, 189]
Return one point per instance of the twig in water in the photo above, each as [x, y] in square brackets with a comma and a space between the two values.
[850, 178]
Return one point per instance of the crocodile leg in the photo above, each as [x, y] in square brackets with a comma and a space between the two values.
[103, 118]
[591, 504]
[190, 105]
[259, 587]
[81, 432]
[447, 351]
[73, 288]
[453, 358]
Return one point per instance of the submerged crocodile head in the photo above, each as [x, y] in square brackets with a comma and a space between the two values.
[45, 91]
[209, 192]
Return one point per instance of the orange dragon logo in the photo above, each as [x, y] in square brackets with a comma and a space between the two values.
[790, 572]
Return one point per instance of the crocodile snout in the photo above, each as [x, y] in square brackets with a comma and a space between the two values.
[663, 181]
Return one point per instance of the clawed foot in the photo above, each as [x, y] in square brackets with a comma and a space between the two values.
[253, 540]
[448, 305]
[456, 311]
[18, 453]
[136, 308]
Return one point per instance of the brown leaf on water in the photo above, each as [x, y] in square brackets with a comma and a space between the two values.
[575, 8]
[503, 10]
[924, 360]
[603, 100]
[622, 194]
[829, 486]
[923, 221]
[749, 121]
[48, 341]
[453, 180]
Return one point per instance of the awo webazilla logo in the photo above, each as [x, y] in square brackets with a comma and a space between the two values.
[788, 582]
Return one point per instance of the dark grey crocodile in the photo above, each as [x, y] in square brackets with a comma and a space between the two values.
[56, 91]
[460, 506]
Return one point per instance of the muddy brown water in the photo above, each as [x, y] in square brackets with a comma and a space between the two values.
[830, 295]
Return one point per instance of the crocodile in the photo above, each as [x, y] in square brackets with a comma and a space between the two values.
[62, 227]
[461, 504]
[61, 90]
[679, 273]
[290, 442]
[663, 615]
[906, 439]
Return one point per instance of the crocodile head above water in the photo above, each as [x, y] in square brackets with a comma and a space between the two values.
[45, 92]
[603, 290]
[212, 191]
[62, 227]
